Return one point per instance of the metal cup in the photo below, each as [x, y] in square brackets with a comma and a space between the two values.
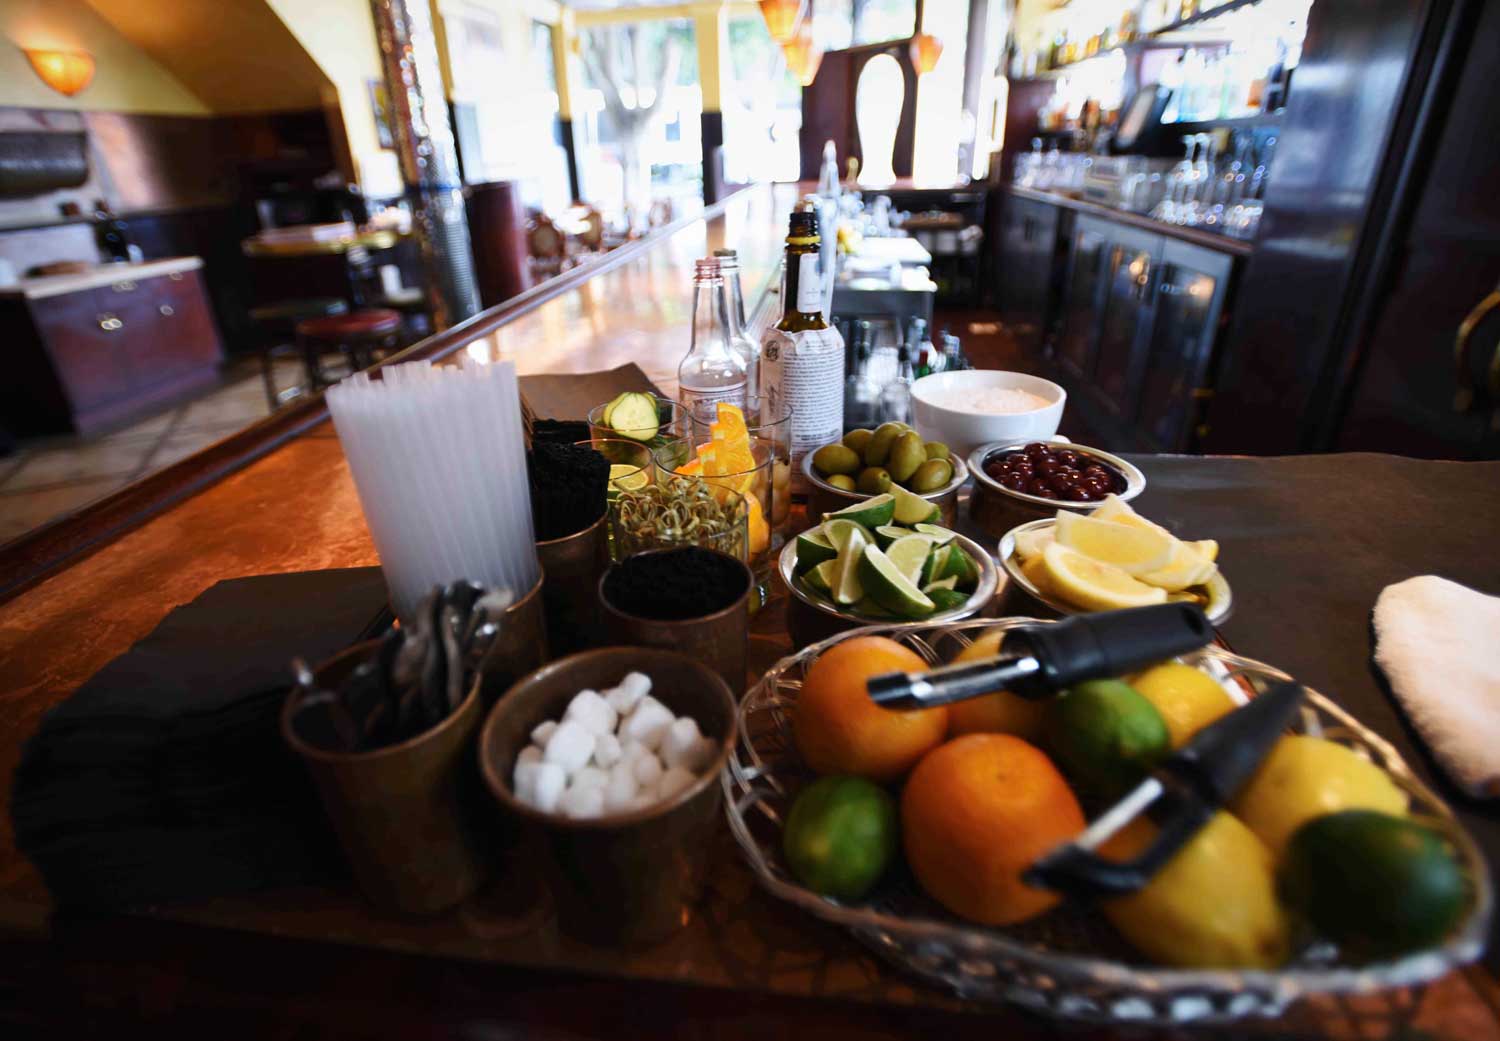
[571, 567]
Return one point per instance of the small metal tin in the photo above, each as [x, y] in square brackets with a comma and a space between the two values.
[997, 509]
[823, 497]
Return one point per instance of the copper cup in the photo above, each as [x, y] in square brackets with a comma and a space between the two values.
[520, 647]
[720, 640]
[631, 878]
[571, 567]
[407, 816]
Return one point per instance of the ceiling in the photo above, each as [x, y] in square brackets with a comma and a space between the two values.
[235, 55]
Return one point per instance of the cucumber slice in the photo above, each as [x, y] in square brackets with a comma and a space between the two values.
[634, 416]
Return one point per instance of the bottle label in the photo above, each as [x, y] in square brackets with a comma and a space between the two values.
[805, 371]
[701, 401]
[809, 285]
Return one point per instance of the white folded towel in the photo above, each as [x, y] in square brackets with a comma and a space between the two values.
[1439, 645]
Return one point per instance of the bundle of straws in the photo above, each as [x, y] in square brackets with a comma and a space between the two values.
[439, 460]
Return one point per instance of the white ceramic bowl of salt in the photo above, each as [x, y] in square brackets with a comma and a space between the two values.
[971, 407]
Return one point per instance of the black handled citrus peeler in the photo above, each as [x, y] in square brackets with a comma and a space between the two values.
[1040, 660]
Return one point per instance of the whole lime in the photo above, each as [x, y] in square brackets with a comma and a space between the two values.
[1374, 883]
[841, 836]
[1105, 735]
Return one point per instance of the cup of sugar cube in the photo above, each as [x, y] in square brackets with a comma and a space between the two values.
[610, 760]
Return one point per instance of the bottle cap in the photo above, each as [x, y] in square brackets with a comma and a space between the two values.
[707, 270]
[802, 224]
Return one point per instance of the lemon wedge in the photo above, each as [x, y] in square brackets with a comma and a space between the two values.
[1188, 567]
[1207, 548]
[1134, 550]
[1093, 585]
[1030, 544]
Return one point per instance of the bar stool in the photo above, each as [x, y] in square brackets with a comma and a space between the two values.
[357, 335]
[277, 325]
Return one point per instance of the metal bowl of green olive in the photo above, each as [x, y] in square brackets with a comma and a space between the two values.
[867, 462]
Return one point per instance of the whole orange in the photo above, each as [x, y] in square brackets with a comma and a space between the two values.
[839, 730]
[1000, 712]
[976, 813]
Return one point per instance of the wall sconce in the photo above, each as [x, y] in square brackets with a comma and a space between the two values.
[803, 56]
[66, 72]
[781, 18]
[926, 49]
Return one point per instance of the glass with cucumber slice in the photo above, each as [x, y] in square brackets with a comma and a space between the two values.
[641, 417]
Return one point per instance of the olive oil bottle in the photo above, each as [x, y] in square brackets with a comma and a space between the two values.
[801, 356]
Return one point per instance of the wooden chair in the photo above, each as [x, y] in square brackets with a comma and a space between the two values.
[546, 247]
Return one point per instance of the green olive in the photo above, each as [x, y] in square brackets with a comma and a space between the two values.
[931, 476]
[906, 455]
[859, 439]
[843, 482]
[879, 447]
[835, 459]
[873, 480]
[937, 450]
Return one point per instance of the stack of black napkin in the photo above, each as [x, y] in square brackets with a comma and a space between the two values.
[165, 776]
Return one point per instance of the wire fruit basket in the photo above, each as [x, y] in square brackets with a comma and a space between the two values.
[1069, 963]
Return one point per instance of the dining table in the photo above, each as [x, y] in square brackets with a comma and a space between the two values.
[1307, 543]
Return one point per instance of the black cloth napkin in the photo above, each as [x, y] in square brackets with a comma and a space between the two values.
[164, 777]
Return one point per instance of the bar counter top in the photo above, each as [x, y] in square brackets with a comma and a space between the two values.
[1195, 236]
[321, 961]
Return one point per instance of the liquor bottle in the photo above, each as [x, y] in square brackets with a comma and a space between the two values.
[712, 371]
[740, 340]
[801, 357]
[953, 354]
[895, 396]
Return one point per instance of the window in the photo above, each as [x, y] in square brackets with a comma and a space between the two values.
[944, 130]
[762, 107]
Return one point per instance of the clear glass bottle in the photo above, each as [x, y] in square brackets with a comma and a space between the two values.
[895, 396]
[739, 338]
[802, 357]
[953, 354]
[712, 371]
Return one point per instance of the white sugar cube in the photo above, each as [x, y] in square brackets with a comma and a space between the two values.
[631, 689]
[647, 723]
[551, 779]
[620, 792]
[523, 781]
[529, 754]
[592, 712]
[589, 777]
[581, 802]
[672, 782]
[543, 733]
[630, 751]
[644, 799]
[570, 747]
[683, 745]
[607, 751]
[647, 770]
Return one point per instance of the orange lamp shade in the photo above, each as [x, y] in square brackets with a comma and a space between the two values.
[803, 56]
[781, 18]
[926, 49]
[66, 72]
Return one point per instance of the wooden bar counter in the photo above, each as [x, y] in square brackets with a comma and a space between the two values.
[319, 962]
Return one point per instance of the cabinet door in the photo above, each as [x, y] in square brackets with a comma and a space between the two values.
[1131, 260]
[166, 331]
[1190, 293]
[1028, 241]
[85, 345]
[1082, 296]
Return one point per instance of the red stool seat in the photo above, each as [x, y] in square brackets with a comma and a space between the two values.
[374, 321]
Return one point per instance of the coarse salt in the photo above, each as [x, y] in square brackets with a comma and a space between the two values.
[990, 401]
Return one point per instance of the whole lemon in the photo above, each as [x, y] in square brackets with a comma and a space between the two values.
[839, 730]
[977, 812]
[1212, 906]
[1306, 777]
[1188, 699]
[1001, 712]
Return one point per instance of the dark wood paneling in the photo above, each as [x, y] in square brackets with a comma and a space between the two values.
[86, 356]
[1332, 154]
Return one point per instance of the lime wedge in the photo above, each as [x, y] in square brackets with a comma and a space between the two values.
[821, 578]
[911, 508]
[933, 569]
[872, 513]
[948, 599]
[939, 535]
[846, 583]
[839, 531]
[943, 583]
[813, 548]
[888, 533]
[890, 588]
[624, 478]
[870, 609]
[909, 553]
[960, 566]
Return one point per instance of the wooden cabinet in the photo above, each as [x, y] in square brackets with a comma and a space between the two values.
[1028, 246]
[90, 357]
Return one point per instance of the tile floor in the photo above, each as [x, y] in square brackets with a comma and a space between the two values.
[50, 477]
